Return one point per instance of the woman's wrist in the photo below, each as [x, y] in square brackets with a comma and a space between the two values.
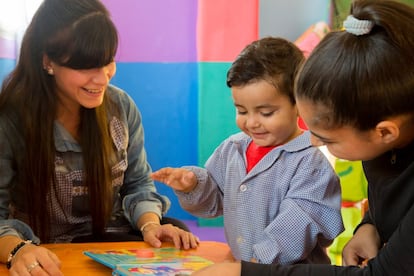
[7, 243]
[14, 252]
[148, 223]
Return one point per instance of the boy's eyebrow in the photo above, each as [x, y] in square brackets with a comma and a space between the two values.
[318, 136]
[259, 106]
[265, 106]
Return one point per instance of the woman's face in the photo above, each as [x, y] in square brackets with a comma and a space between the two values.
[344, 142]
[86, 87]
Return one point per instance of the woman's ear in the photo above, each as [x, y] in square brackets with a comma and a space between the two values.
[388, 131]
[46, 62]
[47, 65]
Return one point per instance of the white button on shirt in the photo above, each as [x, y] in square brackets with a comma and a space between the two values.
[243, 187]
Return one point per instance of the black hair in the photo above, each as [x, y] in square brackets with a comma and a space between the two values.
[360, 80]
[272, 59]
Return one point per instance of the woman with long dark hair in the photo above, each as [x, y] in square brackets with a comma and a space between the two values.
[73, 166]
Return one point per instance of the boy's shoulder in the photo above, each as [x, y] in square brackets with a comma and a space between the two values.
[236, 141]
[239, 138]
[301, 142]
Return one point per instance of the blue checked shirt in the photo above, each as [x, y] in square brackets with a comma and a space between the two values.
[287, 209]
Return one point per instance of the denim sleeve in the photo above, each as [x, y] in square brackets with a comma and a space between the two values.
[9, 226]
[14, 227]
[6, 171]
[138, 191]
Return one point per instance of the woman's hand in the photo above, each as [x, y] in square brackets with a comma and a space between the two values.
[154, 234]
[364, 245]
[35, 260]
[177, 178]
[220, 269]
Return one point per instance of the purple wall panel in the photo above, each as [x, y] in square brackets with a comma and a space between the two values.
[155, 30]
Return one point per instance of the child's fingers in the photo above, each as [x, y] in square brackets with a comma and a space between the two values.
[176, 178]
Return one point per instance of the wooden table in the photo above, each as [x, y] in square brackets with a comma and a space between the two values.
[74, 262]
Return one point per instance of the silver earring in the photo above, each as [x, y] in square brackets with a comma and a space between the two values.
[50, 71]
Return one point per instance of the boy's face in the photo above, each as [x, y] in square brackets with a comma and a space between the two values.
[264, 114]
[344, 142]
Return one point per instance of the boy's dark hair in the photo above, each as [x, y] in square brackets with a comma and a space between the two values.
[362, 80]
[275, 60]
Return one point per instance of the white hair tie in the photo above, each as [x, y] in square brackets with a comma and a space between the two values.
[356, 26]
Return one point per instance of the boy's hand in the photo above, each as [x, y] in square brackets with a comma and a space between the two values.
[177, 178]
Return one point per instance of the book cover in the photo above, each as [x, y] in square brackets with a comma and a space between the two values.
[166, 261]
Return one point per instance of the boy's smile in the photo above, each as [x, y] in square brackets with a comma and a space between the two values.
[265, 114]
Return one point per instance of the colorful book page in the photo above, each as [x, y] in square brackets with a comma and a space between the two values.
[143, 260]
[161, 269]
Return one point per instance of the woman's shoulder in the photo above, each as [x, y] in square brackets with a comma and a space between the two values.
[118, 95]
[123, 106]
[123, 101]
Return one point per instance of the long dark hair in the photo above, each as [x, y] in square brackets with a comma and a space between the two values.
[78, 34]
[362, 80]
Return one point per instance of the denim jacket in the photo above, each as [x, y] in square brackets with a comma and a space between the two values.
[134, 190]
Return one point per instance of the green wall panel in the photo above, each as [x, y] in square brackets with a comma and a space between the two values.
[216, 115]
[216, 112]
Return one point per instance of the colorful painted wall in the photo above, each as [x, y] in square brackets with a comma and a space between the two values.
[173, 58]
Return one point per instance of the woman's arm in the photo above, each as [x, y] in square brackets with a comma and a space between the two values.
[138, 192]
[142, 205]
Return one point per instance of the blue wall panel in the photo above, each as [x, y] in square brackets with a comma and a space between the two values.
[166, 94]
[6, 66]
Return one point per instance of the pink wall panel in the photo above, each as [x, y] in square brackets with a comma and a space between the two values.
[224, 28]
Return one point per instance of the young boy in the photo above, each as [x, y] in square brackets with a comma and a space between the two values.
[368, 68]
[279, 196]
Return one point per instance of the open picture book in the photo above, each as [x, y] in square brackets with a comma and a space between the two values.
[166, 261]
